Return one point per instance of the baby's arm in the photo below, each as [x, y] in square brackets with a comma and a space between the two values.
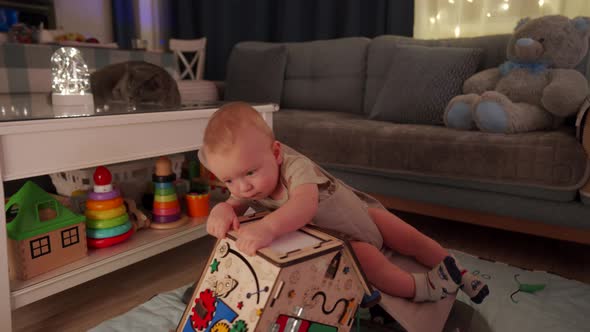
[239, 206]
[294, 214]
[297, 212]
[223, 217]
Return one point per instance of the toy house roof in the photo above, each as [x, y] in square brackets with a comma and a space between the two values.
[27, 223]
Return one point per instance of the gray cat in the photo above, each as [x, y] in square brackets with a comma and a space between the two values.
[134, 82]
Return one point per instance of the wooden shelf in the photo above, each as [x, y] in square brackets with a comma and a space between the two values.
[143, 244]
[36, 147]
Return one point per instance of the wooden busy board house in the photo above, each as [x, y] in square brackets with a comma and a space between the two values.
[307, 280]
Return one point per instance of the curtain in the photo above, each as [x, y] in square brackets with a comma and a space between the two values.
[465, 18]
[227, 22]
[123, 22]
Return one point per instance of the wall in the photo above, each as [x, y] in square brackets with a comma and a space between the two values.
[92, 18]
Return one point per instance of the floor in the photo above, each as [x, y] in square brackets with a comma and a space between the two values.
[85, 306]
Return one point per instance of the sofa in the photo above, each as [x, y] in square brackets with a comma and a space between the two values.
[535, 183]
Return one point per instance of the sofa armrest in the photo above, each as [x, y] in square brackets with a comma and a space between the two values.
[583, 125]
[220, 85]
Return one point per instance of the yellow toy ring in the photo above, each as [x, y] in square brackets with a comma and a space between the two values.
[107, 223]
[104, 205]
[105, 214]
[167, 198]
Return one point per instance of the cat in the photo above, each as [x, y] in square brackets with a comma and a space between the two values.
[134, 82]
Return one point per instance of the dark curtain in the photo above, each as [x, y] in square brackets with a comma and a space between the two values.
[226, 22]
[123, 22]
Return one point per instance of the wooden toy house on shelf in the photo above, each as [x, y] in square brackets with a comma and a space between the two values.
[304, 281]
[42, 233]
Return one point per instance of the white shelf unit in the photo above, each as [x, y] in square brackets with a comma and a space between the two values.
[37, 147]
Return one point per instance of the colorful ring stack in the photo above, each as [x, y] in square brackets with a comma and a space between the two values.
[166, 208]
[107, 222]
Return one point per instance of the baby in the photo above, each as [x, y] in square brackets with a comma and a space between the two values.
[260, 172]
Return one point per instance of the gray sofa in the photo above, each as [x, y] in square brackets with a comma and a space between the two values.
[532, 183]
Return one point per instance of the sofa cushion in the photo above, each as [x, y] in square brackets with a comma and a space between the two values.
[547, 160]
[421, 81]
[381, 51]
[255, 73]
[326, 75]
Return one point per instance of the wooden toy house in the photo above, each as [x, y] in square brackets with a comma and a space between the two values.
[42, 233]
[304, 281]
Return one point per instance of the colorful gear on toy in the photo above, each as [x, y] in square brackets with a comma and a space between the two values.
[220, 327]
[239, 326]
[206, 301]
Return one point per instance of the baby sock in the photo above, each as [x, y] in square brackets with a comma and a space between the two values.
[443, 279]
[473, 286]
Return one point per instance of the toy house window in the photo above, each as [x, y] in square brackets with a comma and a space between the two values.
[40, 247]
[69, 237]
[47, 210]
[11, 212]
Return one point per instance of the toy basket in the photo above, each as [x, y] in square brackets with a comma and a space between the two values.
[132, 178]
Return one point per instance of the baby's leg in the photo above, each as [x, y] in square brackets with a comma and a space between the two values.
[389, 278]
[407, 240]
[383, 274]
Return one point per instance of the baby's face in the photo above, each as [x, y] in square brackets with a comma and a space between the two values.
[250, 168]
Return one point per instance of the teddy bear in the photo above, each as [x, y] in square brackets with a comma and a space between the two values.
[536, 88]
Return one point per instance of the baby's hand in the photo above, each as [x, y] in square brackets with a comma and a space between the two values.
[221, 219]
[252, 237]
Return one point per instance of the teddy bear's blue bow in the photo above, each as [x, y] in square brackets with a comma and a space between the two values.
[532, 67]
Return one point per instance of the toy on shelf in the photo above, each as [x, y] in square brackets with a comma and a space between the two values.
[197, 204]
[107, 219]
[132, 178]
[42, 233]
[166, 207]
[197, 199]
[307, 280]
[200, 175]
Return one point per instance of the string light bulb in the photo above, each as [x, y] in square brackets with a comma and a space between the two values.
[70, 80]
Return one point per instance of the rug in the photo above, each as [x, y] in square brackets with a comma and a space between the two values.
[545, 302]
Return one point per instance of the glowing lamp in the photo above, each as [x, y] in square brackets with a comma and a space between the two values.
[70, 83]
[102, 176]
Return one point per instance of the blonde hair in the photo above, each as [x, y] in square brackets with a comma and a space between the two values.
[224, 125]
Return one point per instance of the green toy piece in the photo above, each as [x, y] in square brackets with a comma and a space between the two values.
[527, 288]
[28, 222]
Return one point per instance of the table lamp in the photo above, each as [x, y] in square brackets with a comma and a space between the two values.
[70, 83]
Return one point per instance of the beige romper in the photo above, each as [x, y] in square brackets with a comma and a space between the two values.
[341, 208]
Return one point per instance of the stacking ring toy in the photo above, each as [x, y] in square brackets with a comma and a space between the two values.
[104, 205]
[107, 223]
[165, 219]
[103, 243]
[103, 188]
[167, 198]
[108, 232]
[164, 192]
[166, 212]
[168, 225]
[106, 214]
[163, 185]
[164, 178]
[166, 205]
[104, 196]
